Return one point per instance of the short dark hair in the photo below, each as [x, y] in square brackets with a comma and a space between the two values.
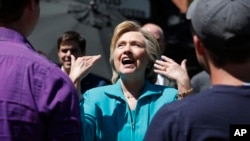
[72, 36]
[12, 10]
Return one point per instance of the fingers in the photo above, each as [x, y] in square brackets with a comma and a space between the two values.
[167, 59]
[81, 66]
[93, 57]
[73, 59]
[167, 62]
[89, 60]
[96, 58]
[160, 62]
[184, 64]
[160, 65]
[172, 70]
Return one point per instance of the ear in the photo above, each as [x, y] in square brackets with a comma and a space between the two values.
[32, 5]
[199, 46]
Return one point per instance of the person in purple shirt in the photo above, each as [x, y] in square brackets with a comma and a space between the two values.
[38, 102]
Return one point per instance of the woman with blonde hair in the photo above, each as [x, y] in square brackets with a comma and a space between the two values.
[123, 110]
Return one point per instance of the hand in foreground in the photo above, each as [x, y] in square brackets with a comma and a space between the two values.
[81, 66]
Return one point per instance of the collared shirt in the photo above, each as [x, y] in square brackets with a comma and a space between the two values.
[161, 80]
[106, 115]
[37, 100]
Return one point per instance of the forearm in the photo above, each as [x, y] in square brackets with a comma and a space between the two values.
[76, 82]
[183, 83]
[184, 87]
[88, 121]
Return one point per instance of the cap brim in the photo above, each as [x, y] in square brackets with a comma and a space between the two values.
[191, 9]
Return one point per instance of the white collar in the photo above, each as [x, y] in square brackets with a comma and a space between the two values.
[246, 84]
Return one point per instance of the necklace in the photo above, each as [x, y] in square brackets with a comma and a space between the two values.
[128, 95]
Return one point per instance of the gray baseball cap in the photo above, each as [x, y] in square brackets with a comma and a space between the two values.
[223, 25]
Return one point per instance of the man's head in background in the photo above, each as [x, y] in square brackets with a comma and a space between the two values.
[221, 31]
[158, 33]
[70, 43]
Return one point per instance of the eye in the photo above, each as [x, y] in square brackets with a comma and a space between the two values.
[74, 50]
[137, 44]
[64, 50]
[120, 45]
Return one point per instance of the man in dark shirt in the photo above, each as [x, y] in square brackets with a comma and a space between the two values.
[221, 33]
[71, 50]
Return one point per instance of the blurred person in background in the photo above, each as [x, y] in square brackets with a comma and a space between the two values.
[71, 50]
[200, 81]
[175, 75]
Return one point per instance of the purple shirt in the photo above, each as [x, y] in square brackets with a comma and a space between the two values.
[37, 100]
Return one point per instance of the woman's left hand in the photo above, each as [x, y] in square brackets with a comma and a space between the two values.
[172, 70]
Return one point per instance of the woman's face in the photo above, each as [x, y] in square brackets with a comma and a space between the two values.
[130, 55]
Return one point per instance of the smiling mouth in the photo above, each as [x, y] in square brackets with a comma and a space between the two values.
[67, 62]
[127, 61]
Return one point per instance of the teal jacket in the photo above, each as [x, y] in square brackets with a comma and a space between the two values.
[106, 116]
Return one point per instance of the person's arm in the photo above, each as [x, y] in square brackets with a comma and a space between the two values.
[172, 70]
[88, 117]
[58, 106]
[80, 67]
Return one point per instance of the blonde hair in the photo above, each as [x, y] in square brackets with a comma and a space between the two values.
[151, 44]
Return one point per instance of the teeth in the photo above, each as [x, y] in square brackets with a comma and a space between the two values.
[126, 58]
[127, 61]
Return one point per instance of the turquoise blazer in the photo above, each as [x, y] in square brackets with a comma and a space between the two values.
[106, 115]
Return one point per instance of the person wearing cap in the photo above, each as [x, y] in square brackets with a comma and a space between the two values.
[221, 35]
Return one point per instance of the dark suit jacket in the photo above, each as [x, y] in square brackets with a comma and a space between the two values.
[91, 81]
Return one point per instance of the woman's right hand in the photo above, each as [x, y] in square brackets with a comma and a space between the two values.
[81, 66]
